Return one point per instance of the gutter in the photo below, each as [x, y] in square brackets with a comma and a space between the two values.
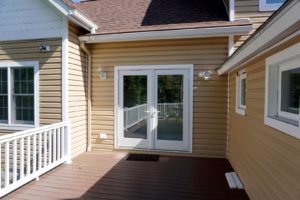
[168, 34]
[89, 83]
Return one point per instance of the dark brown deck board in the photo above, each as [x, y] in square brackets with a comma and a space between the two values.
[110, 176]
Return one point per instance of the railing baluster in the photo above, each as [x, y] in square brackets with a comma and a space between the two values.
[14, 161]
[50, 147]
[0, 165]
[40, 150]
[34, 154]
[6, 164]
[58, 144]
[54, 145]
[45, 148]
[28, 156]
[22, 158]
[63, 142]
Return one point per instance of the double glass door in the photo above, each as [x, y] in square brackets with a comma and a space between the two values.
[153, 109]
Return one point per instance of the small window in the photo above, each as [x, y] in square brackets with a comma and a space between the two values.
[241, 93]
[270, 5]
[18, 94]
[283, 91]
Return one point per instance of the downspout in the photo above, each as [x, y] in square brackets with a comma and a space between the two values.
[89, 82]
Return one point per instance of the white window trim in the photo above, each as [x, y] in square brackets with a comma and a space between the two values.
[9, 65]
[264, 6]
[239, 108]
[281, 58]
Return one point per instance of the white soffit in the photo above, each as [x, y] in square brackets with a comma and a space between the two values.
[168, 34]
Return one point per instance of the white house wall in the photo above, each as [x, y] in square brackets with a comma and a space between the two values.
[29, 19]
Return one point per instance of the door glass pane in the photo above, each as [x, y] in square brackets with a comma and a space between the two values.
[170, 107]
[290, 91]
[135, 106]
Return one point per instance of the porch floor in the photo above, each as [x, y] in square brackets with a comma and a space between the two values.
[110, 176]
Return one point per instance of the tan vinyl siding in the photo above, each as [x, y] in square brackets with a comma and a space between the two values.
[266, 159]
[249, 9]
[77, 93]
[210, 97]
[49, 74]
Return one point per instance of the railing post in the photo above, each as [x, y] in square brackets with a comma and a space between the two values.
[68, 143]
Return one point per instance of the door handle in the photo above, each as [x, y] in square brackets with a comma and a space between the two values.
[147, 111]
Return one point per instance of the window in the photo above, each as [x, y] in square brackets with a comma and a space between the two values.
[18, 94]
[241, 93]
[283, 91]
[270, 5]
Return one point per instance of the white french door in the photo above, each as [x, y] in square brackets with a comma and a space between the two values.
[153, 109]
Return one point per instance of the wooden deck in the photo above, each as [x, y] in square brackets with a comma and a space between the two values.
[110, 176]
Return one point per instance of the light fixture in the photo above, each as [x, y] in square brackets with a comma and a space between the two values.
[101, 73]
[44, 48]
[206, 75]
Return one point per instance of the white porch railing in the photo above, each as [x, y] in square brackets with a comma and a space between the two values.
[136, 114]
[28, 154]
[166, 110]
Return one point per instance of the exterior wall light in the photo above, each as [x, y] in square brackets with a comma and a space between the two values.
[44, 48]
[101, 73]
[206, 75]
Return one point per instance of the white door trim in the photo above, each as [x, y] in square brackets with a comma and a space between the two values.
[189, 67]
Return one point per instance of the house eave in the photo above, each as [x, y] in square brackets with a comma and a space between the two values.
[167, 34]
[281, 25]
[74, 15]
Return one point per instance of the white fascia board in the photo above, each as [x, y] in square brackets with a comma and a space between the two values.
[168, 34]
[74, 15]
[285, 19]
[77, 15]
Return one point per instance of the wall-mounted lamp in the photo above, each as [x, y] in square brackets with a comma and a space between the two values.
[206, 75]
[44, 48]
[101, 73]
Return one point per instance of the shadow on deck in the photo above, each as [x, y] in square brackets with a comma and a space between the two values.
[110, 176]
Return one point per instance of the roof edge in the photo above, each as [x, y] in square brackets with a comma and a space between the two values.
[167, 34]
[282, 20]
[74, 15]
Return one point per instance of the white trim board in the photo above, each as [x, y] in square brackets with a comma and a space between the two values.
[168, 34]
[287, 18]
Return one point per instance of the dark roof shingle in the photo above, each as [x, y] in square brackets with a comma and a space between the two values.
[123, 16]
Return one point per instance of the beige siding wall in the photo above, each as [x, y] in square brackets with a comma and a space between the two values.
[210, 97]
[77, 93]
[50, 72]
[267, 160]
[249, 9]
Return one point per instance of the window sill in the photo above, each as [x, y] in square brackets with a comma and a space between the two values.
[288, 126]
[240, 111]
[16, 127]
